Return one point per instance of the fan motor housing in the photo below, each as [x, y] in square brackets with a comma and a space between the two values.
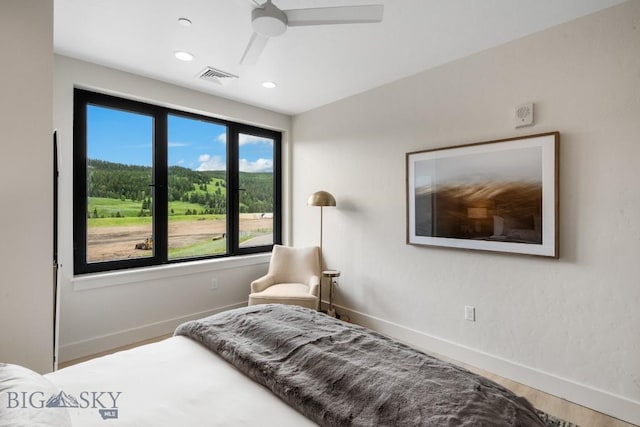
[268, 21]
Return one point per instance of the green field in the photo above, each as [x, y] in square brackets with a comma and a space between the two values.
[108, 209]
[105, 207]
[198, 249]
[119, 211]
[123, 222]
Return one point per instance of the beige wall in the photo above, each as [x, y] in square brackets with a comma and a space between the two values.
[26, 186]
[569, 326]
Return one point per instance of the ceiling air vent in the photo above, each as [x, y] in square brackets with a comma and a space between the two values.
[216, 76]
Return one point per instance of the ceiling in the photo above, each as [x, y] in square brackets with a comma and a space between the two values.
[312, 66]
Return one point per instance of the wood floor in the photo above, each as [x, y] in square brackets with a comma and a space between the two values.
[62, 365]
[583, 417]
[568, 411]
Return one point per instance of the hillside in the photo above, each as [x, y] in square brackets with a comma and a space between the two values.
[189, 192]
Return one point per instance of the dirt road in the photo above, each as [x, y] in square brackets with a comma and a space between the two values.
[111, 243]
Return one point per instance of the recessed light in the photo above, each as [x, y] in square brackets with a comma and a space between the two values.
[269, 85]
[184, 22]
[183, 56]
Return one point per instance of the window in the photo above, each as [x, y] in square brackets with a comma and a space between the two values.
[153, 185]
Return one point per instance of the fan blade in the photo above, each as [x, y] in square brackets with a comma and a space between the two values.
[335, 15]
[254, 49]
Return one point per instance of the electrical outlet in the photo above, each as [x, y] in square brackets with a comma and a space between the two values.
[469, 313]
[214, 284]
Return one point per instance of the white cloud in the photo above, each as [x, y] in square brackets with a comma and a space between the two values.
[251, 139]
[208, 163]
[245, 139]
[260, 165]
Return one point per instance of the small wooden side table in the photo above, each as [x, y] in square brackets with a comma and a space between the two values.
[331, 275]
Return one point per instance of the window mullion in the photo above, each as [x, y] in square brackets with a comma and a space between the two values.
[277, 191]
[232, 190]
[160, 185]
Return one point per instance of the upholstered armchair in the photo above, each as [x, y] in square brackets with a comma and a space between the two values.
[293, 278]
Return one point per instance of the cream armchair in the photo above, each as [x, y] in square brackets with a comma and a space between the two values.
[293, 278]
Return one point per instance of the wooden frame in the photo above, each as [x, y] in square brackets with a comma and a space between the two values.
[496, 196]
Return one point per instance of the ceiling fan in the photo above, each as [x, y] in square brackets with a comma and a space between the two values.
[268, 20]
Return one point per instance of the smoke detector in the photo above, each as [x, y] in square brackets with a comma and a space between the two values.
[523, 115]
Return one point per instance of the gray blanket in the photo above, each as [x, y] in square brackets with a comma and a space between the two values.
[339, 374]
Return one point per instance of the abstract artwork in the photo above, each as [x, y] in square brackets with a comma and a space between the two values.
[496, 196]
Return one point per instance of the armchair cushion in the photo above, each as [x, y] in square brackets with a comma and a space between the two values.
[285, 293]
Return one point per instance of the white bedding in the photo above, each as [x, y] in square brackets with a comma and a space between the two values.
[175, 382]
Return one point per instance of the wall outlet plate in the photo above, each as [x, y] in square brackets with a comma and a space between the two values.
[469, 313]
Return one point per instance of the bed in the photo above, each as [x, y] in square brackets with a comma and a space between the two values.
[264, 365]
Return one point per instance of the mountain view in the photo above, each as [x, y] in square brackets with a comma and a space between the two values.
[120, 205]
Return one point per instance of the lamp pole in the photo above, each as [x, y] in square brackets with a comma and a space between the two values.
[321, 266]
[321, 220]
[321, 199]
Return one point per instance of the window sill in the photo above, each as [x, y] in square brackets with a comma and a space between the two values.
[125, 277]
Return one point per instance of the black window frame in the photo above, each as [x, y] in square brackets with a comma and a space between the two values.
[83, 98]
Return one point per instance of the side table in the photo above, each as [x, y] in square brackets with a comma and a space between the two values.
[331, 275]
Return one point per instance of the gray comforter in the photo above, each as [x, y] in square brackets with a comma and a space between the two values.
[339, 374]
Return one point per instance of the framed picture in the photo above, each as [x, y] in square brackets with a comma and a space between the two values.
[494, 196]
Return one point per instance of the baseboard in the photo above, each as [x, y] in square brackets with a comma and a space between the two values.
[107, 342]
[598, 400]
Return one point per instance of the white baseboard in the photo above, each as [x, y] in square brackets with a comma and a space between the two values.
[598, 400]
[107, 342]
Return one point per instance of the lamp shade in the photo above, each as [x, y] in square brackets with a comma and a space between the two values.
[321, 198]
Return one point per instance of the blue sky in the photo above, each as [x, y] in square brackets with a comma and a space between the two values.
[125, 137]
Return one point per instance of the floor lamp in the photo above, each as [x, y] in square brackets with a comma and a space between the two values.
[322, 199]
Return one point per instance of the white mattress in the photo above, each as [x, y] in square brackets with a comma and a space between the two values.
[175, 382]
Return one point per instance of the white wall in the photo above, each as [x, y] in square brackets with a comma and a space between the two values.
[568, 326]
[26, 186]
[102, 311]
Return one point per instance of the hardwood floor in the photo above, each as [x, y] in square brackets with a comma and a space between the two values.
[583, 417]
[568, 411]
[62, 365]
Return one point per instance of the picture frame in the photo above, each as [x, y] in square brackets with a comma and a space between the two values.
[499, 196]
